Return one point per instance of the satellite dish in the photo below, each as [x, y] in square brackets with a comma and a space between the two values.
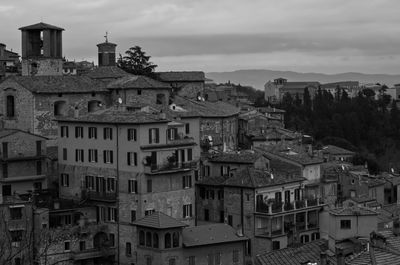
[119, 100]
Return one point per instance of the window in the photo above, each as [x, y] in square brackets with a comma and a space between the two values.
[79, 155]
[148, 239]
[16, 213]
[132, 158]
[172, 261]
[39, 167]
[65, 154]
[82, 245]
[160, 99]
[167, 240]
[65, 180]
[154, 136]
[206, 215]
[141, 238]
[110, 187]
[59, 108]
[222, 216]
[132, 186]
[345, 224]
[235, 257]
[89, 182]
[186, 181]
[93, 155]
[187, 128]
[276, 245]
[38, 148]
[248, 196]
[148, 212]
[149, 185]
[92, 133]
[189, 155]
[112, 214]
[155, 240]
[108, 156]
[230, 220]
[187, 210]
[10, 106]
[64, 131]
[133, 216]
[107, 133]
[67, 246]
[217, 258]
[112, 239]
[5, 149]
[16, 235]
[78, 132]
[220, 194]
[132, 135]
[128, 249]
[192, 260]
[139, 91]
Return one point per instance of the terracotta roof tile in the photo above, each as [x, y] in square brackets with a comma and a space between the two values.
[40, 26]
[242, 157]
[181, 76]
[137, 81]
[107, 72]
[159, 220]
[210, 234]
[348, 211]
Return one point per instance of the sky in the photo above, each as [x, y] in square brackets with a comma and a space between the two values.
[327, 36]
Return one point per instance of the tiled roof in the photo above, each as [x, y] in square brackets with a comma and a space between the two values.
[40, 26]
[59, 84]
[7, 132]
[181, 76]
[348, 211]
[137, 81]
[210, 234]
[106, 72]
[194, 108]
[241, 157]
[251, 115]
[252, 178]
[336, 150]
[392, 208]
[159, 220]
[301, 255]
[271, 110]
[392, 178]
[116, 116]
[292, 153]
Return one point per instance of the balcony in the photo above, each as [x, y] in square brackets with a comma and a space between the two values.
[101, 196]
[278, 207]
[169, 167]
[180, 139]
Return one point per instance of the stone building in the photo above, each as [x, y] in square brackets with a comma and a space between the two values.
[274, 91]
[188, 84]
[9, 62]
[23, 162]
[164, 240]
[131, 163]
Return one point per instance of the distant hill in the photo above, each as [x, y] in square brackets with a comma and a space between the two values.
[257, 78]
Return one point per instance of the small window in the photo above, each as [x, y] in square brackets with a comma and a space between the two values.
[187, 128]
[132, 158]
[154, 136]
[92, 133]
[64, 131]
[65, 180]
[78, 132]
[235, 257]
[82, 245]
[128, 249]
[167, 240]
[149, 242]
[149, 185]
[112, 239]
[230, 220]
[93, 158]
[79, 156]
[155, 240]
[132, 135]
[107, 133]
[141, 238]
[149, 212]
[10, 109]
[345, 224]
[187, 210]
[16, 213]
[132, 186]
[67, 246]
[133, 216]
[186, 182]
[160, 99]
[60, 108]
[65, 154]
[276, 245]
[139, 91]
[108, 156]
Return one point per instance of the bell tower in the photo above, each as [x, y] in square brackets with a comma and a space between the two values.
[41, 50]
[106, 51]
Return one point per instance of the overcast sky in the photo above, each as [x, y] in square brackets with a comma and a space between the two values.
[329, 36]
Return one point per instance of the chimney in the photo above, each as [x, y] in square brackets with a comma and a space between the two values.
[323, 259]
[339, 256]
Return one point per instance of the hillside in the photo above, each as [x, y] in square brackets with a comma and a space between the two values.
[257, 78]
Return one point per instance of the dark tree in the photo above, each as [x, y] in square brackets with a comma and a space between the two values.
[136, 62]
[307, 99]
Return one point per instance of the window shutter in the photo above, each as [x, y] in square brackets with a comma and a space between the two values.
[184, 211]
[135, 186]
[190, 180]
[95, 154]
[135, 158]
[190, 210]
[82, 155]
[134, 134]
[111, 157]
[128, 158]
[183, 181]
[104, 133]
[76, 155]
[169, 134]
[129, 186]
[189, 154]
[104, 156]
[150, 136]
[157, 136]
[111, 136]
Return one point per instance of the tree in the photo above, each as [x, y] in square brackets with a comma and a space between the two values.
[136, 62]
[307, 99]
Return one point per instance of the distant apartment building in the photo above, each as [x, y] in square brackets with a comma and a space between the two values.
[131, 163]
[351, 87]
[274, 91]
[188, 84]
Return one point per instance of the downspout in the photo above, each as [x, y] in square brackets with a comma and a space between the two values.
[117, 191]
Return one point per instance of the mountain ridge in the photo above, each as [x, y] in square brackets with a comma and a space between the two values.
[258, 77]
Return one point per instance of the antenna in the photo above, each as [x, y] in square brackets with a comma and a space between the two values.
[106, 36]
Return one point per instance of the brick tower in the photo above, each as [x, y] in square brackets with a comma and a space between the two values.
[41, 50]
[106, 51]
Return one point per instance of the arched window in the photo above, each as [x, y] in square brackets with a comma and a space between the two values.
[148, 239]
[141, 238]
[60, 108]
[175, 240]
[93, 105]
[167, 240]
[10, 106]
[155, 240]
[160, 99]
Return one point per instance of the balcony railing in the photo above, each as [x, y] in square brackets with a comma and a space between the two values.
[179, 139]
[99, 195]
[277, 207]
[156, 168]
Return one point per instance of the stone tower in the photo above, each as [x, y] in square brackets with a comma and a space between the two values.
[41, 50]
[106, 51]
